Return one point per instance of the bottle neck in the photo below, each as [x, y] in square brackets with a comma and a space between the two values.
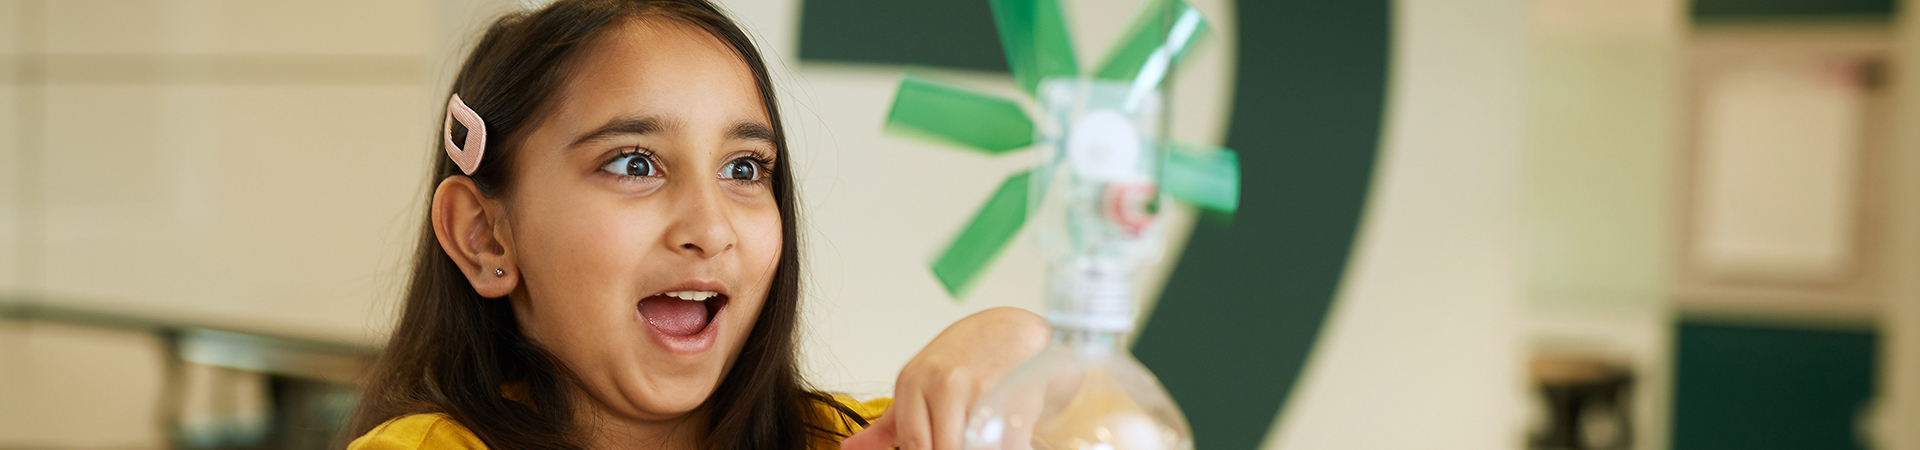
[1088, 341]
[1091, 296]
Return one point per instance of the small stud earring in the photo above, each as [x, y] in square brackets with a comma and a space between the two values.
[499, 272]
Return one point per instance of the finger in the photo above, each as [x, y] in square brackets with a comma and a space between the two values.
[878, 435]
[947, 415]
[1024, 402]
[912, 432]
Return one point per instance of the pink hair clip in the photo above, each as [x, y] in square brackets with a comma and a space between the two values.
[468, 156]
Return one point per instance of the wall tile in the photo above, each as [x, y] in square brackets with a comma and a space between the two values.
[281, 208]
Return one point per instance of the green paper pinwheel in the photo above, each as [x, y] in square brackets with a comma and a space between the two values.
[1033, 33]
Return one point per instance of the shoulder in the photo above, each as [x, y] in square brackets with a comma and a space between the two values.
[418, 432]
[867, 410]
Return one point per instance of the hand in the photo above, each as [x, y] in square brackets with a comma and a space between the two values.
[931, 397]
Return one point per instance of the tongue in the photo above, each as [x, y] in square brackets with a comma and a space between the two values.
[674, 316]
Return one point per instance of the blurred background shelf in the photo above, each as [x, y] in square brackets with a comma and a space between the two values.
[211, 388]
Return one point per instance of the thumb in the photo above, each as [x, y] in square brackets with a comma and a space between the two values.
[877, 436]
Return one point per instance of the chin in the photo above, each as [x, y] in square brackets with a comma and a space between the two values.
[673, 401]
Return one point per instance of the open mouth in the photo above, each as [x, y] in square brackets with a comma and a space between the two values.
[682, 313]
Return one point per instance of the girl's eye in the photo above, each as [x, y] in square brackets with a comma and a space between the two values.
[743, 169]
[632, 165]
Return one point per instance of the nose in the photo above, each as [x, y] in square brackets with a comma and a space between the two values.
[701, 226]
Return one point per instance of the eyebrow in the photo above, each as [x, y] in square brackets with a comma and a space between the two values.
[630, 125]
[625, 125]
[751, 131]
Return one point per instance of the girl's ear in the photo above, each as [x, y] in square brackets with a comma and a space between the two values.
[465, 224]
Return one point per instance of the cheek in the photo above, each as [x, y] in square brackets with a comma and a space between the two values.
[761, 243]
[567, 231]
[579, 259]
[587, 246]
[760, 249]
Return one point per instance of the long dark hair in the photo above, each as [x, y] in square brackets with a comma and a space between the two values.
[454, 352]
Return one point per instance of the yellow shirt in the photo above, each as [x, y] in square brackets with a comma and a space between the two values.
[439, 432]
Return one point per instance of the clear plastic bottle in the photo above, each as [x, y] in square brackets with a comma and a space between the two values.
[1082, 393]
[1098, 223]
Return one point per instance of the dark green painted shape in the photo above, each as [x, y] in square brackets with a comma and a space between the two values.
[942, 33]
[1791, 9]
[1240, 312]
[1763, 388]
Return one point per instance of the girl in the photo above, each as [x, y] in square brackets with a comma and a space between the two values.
[610, 259]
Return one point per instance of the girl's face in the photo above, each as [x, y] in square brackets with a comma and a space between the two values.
[650, 179]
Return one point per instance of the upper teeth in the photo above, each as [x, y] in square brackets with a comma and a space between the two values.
[698, 296]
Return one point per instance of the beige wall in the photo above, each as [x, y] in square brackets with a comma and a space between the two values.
[13, 177]
[239, 163]
[1602, 135]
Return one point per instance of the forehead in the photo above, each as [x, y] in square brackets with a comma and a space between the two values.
[661, 66]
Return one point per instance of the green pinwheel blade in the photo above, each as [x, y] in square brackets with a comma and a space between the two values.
[1155, 43]
[1208, 177]
[991, 229]
[1033, 33]
[958, 116]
